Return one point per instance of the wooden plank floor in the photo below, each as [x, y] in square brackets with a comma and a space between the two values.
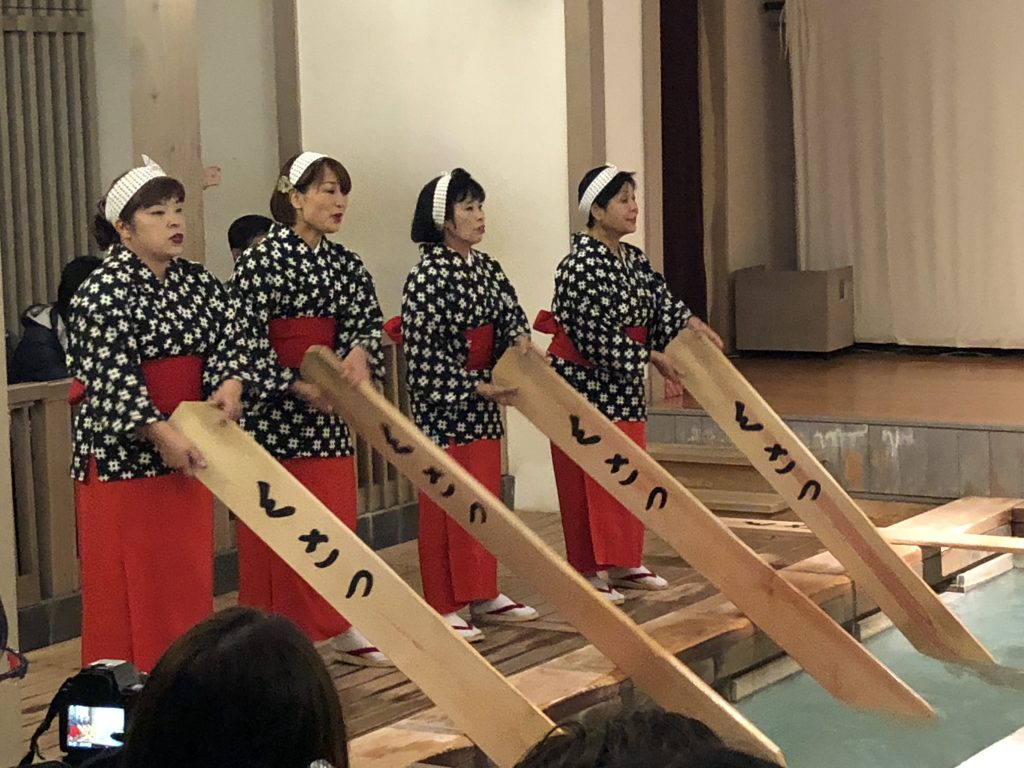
[888, 387]
[372, 698]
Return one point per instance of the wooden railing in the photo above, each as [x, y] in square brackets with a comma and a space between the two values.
[380, 484]
[44, 509]
[44, 514]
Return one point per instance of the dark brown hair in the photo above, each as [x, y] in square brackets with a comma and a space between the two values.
[153, 192]
[641, 738]
[281, 205]
[461, 187]
[242, 688]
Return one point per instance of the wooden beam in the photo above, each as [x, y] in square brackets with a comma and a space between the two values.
[801, 628]
[585, 101]
[286, 79]
[284, 514]
[913, 537]
[820, 501]
[659, 674]
[165, 101]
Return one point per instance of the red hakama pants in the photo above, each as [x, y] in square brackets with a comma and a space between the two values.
[599, 532]
[454, 566]
[267, 582]
[146, 550]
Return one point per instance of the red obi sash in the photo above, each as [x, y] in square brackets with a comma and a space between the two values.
[480, 340]
[170, 381]
[76, 392]
[173, 380]
[292, 336]
[481, 347]
[561, 345]
[393, 329]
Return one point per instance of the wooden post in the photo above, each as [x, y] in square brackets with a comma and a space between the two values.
[165, 101]
[353, 579]
[821, 502]
[54, 494]
[11, 748]
[656, 672]
[828, 653]
[286, 79]
[584, 75]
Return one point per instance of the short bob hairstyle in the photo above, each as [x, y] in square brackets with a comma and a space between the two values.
[242, 688]
[158, 191]
[610, 190]
[281, 207]
[462, 187]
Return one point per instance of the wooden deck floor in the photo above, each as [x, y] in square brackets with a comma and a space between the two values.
[889, 387]
[372, 698]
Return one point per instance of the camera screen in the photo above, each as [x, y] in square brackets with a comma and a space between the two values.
[90, 727]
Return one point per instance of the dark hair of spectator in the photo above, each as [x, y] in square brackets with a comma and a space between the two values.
[158, 191]
[610, 190]
[245, 229]
[281, 207]
[644, 738]
[72, 276]
[461, 187]
[242, 688]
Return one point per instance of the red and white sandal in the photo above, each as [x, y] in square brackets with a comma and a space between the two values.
[612, 595]
[467, 630]
[501, 610]
[353, 648]
[635, 578]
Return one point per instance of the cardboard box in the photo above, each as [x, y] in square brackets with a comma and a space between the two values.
[794, 311]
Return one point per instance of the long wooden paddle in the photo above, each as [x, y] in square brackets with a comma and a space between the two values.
[815, 496]
[352, 578]
[834, 658]
[659, 674]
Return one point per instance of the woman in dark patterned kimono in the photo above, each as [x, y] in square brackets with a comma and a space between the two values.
[459, 314]
[147, 331]
[611, 315]
[293, 290]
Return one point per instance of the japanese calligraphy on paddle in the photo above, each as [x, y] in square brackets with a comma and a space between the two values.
[313, 540]
[433, 474]
[616, 463]
[776, 453]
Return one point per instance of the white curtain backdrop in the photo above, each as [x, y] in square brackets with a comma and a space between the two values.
[909, 133]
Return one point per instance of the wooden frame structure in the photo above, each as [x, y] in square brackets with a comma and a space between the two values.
[816, 497]
[828, 653]
[659, 674]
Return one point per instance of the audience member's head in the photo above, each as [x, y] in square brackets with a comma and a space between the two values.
[242, 688]
[247, 231]
[642, 738]
[72, 276]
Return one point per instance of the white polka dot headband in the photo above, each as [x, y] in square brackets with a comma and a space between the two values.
[124, 189]
[287, 183]
[441, 199]
[595, 187]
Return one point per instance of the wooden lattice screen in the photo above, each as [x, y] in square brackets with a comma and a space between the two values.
[48, 146]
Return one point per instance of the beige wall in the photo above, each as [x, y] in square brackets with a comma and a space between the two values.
[238, 117]
[401, 92]
[747, 136]
[237, 110]
[10, 696]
